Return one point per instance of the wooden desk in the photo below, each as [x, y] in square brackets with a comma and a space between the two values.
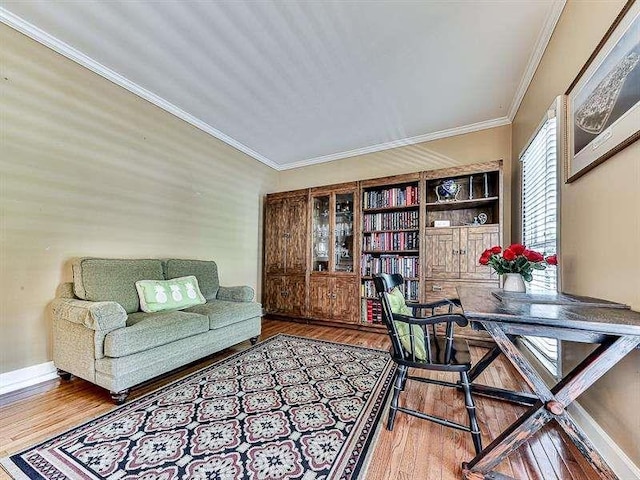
[579, 319]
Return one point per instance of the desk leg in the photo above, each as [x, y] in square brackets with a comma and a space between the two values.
[552, 403]
[483, 363]
[508, 441]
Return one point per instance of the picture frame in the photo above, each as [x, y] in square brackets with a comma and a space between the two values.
[603, 101]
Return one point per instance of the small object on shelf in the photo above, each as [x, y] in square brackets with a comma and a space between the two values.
[470, 187]
[486, 185]
[442, 223]
[447, 191]
[482, 218]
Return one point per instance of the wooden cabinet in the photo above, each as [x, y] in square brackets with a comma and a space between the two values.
[453, 252]
[285, 295]
[333, 284]
[333, 298]
[285, 223]
[323, 245]
[463, 213]
[285, 253]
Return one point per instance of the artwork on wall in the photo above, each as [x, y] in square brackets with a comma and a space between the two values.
[603, 102]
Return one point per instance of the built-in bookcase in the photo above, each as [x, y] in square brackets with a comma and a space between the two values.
[390, 238]
[323, 245]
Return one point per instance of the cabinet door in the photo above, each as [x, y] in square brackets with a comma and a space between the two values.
[296, 235]
[443, 253]
[296, 295]
[285, 295]
[320, 233]
[346, 299]
[343, 232]
[275, 294]
[275, 226]
[474, 241]
[320, 296]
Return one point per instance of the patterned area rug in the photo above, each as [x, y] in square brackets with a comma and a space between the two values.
[287, 408]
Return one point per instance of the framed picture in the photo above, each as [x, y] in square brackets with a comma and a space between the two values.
[603, 102]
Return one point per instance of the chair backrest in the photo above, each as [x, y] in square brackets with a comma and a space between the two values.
[384, 283]
[411, 342]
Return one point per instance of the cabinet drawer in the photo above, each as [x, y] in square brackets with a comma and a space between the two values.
[439, 289]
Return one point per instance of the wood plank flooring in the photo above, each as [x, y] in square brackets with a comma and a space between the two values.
[415, 449]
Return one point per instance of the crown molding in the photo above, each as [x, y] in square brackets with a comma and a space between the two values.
[536, 56]
[71, 53]
[403, 142]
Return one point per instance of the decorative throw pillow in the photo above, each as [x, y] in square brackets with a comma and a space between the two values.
[174, 294]
[398, 305]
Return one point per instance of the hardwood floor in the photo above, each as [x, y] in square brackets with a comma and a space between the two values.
[415, 449]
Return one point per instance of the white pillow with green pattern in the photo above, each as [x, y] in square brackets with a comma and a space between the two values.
[174, 294]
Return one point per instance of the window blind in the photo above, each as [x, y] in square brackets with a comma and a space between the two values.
[539, 222]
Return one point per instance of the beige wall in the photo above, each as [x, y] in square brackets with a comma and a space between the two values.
[88, 168]
[481, 146]
[600, 227]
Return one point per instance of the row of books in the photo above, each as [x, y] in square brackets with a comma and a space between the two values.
[405, 266]
[371, 311]
[390, 220]
[391, 241]
[411, 289]
[392, 197]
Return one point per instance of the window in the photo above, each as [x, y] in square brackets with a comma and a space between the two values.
[540, 220]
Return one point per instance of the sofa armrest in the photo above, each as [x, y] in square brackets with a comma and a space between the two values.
[242, 293]
[98, 316]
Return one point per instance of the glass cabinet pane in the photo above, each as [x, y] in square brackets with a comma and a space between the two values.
[320, 226]
[344, 232]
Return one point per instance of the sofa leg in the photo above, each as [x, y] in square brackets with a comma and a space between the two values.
[66, 376]
[254, 340]
[119, 397]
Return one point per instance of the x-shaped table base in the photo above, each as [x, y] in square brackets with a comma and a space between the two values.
[547, 404]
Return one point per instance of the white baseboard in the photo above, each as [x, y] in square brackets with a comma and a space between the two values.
[619, 462]
[25, 377]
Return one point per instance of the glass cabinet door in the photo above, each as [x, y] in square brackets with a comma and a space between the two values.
[321, 230]
[343, 245]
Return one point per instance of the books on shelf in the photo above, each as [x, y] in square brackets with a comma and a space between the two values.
[390, 220]
[411, 290]
[386, 241]
[391, 197]
[371, 311]
[407, 266]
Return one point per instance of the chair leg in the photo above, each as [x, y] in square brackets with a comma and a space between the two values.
[471, 411]
[400, 377]
[405, 371]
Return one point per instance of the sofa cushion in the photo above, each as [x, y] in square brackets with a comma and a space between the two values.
[222, 313]
[148, 330]
[205, 271]
[113, 279]
[175, 294]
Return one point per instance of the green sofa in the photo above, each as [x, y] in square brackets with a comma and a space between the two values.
[101, 336]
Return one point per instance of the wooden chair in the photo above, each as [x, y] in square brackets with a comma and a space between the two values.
[415, 343]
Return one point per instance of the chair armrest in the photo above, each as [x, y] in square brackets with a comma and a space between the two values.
[440, 303]
[242, 293]
[459, 319]
[98, 316]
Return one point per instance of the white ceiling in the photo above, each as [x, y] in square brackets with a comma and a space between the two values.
[296, 83]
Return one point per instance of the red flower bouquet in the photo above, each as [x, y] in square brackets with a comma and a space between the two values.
[516, 259]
